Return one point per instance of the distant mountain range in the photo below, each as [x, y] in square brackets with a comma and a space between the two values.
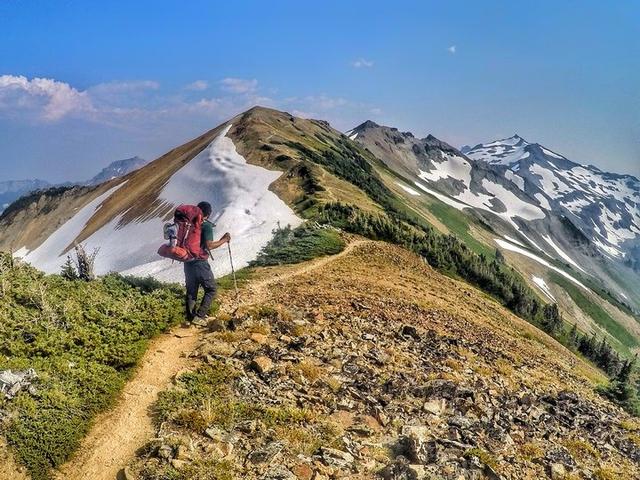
[11, 190]
[604, 206]
[530, 197]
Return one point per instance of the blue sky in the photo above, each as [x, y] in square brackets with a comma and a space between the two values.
[138, 78]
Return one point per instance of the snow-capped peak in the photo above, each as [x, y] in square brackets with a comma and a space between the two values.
[505, 151]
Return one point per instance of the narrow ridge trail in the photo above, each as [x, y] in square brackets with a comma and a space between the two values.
[258, 288]
[117, 434]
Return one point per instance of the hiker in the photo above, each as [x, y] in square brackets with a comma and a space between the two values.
[191, 241]
[197, 272]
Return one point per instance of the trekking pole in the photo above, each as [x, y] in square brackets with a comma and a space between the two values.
[235, 281]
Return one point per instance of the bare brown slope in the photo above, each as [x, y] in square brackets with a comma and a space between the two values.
[137, 199]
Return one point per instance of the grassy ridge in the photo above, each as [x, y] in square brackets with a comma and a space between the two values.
[83, 340]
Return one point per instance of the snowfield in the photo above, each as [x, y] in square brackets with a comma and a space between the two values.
[514, 248]
[242, 205]
[452, 167]
[502, 152]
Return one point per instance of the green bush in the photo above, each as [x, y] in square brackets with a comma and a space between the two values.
[298, 245]
[83, 339]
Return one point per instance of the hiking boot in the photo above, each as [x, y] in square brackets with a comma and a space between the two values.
[199, 321]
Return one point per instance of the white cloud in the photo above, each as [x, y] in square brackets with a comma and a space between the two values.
[125, 87]
[50, 99]
[141, 107]
[239, 85]
[362, 63]
[197, 86]
[452, 49]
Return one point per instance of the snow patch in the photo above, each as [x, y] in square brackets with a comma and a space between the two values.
[544, 203]
[409, 190]
[542, 285]
[513, 240]
[21, 252]
[561, 252]
[541, 261]
[443, 198]
[515, 178]
[453, 166]
[238, 192]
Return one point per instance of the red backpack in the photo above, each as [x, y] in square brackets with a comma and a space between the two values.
[184, 236]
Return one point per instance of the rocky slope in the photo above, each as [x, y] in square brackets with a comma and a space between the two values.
[372, 365]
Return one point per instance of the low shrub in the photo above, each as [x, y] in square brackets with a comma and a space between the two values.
[83, 339]
[298, 245]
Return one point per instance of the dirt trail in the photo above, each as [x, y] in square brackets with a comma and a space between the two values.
[9, 470]
[258, 288]
[118, 433]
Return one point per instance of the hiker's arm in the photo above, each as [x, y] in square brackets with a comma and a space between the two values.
[213, 244]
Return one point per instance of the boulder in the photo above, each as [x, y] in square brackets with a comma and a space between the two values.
[335, 458]
[261, 364]
[418, 445]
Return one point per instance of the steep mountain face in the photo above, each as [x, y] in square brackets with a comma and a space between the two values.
[438, 165]
[538, 202]
[603, 206]
[117, 169]
[13, 189]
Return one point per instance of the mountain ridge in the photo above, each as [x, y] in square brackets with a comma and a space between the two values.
[365, 180]
[514, 179]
